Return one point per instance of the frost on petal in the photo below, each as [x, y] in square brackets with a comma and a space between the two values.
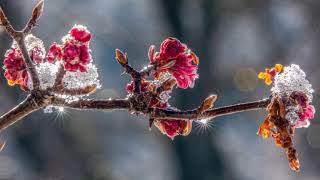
[74, 80]
[35, 48]
[292, 79]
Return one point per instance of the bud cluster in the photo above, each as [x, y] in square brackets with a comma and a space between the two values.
[290, 108]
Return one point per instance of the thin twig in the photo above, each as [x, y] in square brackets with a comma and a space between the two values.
[19, 36]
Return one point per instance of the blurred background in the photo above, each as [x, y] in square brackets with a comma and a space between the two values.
[234, 40]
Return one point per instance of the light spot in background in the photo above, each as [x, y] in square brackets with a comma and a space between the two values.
[313, 136]
[245, 79]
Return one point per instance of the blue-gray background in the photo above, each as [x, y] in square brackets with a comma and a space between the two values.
[234, 40]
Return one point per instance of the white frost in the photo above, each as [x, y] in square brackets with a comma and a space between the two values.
[292, 79]
[75, 80]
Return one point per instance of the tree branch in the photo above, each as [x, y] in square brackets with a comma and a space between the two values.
[211, 113]
[124, 104]
[17, 113]
[91, 104]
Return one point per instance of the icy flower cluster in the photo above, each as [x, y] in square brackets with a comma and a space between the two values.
[290, 107]
[174, 64]
[73, 55]
[14, 65]
[290, 83]
[74, 51]
[292, 79]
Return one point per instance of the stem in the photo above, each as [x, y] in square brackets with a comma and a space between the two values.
[30, 66]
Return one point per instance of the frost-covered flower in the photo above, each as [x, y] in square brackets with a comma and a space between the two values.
[292, 79]
[14, 65]
[74, 51]
[175, 58]
[55, 52]
[290, 107]
[80, 33]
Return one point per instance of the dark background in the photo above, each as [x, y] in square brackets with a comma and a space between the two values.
[234, 40]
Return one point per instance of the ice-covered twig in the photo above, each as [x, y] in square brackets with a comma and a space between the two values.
[19, 37]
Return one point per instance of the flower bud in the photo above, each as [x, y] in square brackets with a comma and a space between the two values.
[37, 11]
[207, 103]
[121, 57]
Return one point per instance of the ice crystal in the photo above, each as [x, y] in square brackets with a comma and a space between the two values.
[292, 114]
[75, 80]
[292, 79]
[47, 73]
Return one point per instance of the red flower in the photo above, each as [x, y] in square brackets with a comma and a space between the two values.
[15, 69]
[55, 52]
[75, 51]
[80, 33]
[75, 57]
[173, 128]
[36, 54]
[175, 58]
[171, 48]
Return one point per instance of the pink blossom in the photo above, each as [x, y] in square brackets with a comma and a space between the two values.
[55, 52]
[80, 33]
[306, 115]
[172, 128]
[75, 57]
[15, 68]
[170, 48]
[175, 58]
